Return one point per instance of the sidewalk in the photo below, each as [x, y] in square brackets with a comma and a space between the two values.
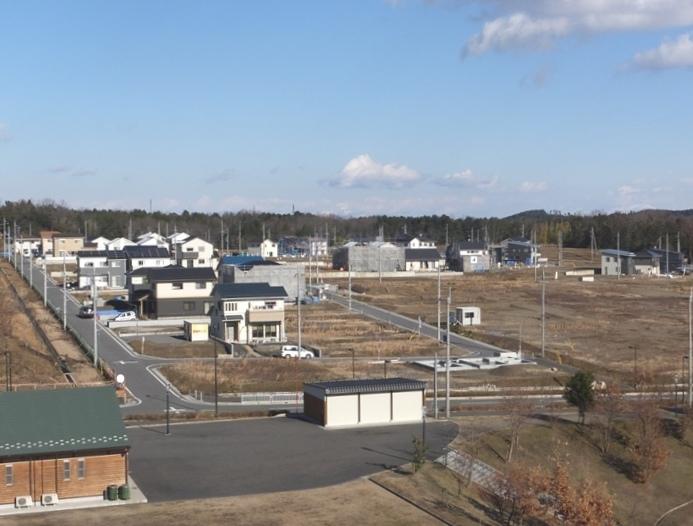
[481, 473]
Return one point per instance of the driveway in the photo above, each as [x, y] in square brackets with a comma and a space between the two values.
[259, 456]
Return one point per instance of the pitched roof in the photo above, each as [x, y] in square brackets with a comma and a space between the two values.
[378, 385]
[622, 253]
[110, 254]
[175, 273]
[241, 260]
[60, 420]
[421, 254]
[248, 290]
[143, 251]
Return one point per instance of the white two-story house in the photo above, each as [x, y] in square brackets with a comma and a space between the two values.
[147, 257]
[248, 312]
[106, 268]
[266, 249]
[195, 252]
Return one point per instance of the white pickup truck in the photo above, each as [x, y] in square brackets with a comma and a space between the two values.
[291, 351]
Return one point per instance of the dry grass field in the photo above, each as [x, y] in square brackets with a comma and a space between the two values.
[335, 331]
[323, 506]
[32, 362]
[605, 325]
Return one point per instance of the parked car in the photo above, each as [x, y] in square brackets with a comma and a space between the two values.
[86, 311]
[128, 315]
[291, 351]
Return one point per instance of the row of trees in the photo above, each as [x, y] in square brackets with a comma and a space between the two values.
[637, 229]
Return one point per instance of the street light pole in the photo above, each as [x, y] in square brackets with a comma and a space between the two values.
[216, 382]
[298, 307]
[31, 268]
[350, 287]
[168, 410]
[64, 295]
[690, 349]
[96, 321]
[45, 283]
[438, 298]
[543, 316]
[447, 361]
[435, 385]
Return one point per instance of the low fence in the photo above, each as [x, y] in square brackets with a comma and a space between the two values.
[271, 398]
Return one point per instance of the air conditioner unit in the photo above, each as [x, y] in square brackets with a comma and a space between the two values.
[23, 501]
[49, 499]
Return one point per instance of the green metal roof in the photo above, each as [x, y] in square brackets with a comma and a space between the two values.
[59, 421]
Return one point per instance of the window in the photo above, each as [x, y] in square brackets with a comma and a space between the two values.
[201, 261]
[230, 306]
[66, 470]
[200, 249]
[270, 304]
[177, 285]
[188, 306]
[9, 474]
[200, 285]
[81, 468]
[189, 249]
[140, 262]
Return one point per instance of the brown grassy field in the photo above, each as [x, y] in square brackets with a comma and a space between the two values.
[605, 325]
[335, 331]
[278, 374]
[32, 360]
[357, 502]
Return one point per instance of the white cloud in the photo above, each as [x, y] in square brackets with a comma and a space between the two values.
[537, 23]
[627, 190]
[363, 171]
[669, 54]
[467, 178]
[533, 186]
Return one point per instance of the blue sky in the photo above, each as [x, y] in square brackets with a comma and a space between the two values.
[464, 107]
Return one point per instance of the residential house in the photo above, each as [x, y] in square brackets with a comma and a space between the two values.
[248, 312]
[152, 239]
[67, 245]
[375, 256]
[266, 249]
[669, 261]
[515, 251]
[421, 259]
[194, 252]
[421, 242]
[253, 269]
[106, 268]
[119, 243]
[146, 256]
[292, 246]
[172, 291]
[177, 237]
[47, 241]
[100, 243]
[625, 262]
[468, 256]
[60, 444]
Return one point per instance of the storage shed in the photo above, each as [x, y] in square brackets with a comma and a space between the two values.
[468, 315]
[372, 401]
[196, 331]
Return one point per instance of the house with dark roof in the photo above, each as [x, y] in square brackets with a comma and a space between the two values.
[248, 312]
[341, 403]
[106, 268]
[171, 292]
[140, 256]
[421, 259]
[61, 444]
[255, 269]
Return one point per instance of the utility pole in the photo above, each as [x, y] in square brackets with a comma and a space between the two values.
[221, 235]
[31, 267]
[8, 369]
[447, 235]
[435, 385]
[96, 321]
[438, 300]
[298, 307]
[560, 249]
[350, 287]
[239, 238]
[667, 248]
[45, 283]
[618, 255]
[447, 354]
[64, 295]
[353, 363]
[543, 315]
[168, 410]
[690, 349]
[216, 381]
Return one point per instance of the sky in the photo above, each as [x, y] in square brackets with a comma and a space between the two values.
[458, 107]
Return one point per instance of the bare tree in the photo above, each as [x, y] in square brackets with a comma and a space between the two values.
[649, 452]
[520, 410]
[608, 405]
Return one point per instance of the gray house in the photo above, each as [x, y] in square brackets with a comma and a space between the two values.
[376, 256]
[468, 256]
[106, 268]
[626, 262]
[258, 270]
[171, 292]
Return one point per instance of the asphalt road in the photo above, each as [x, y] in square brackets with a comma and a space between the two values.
[266, 455]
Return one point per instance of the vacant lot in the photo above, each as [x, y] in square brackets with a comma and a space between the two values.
[335, 331]
[330, 505]
[279, 374]
[32, 361]
[608, 325]
[172, 346]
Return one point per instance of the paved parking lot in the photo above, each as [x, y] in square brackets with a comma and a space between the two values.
[259, 456]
